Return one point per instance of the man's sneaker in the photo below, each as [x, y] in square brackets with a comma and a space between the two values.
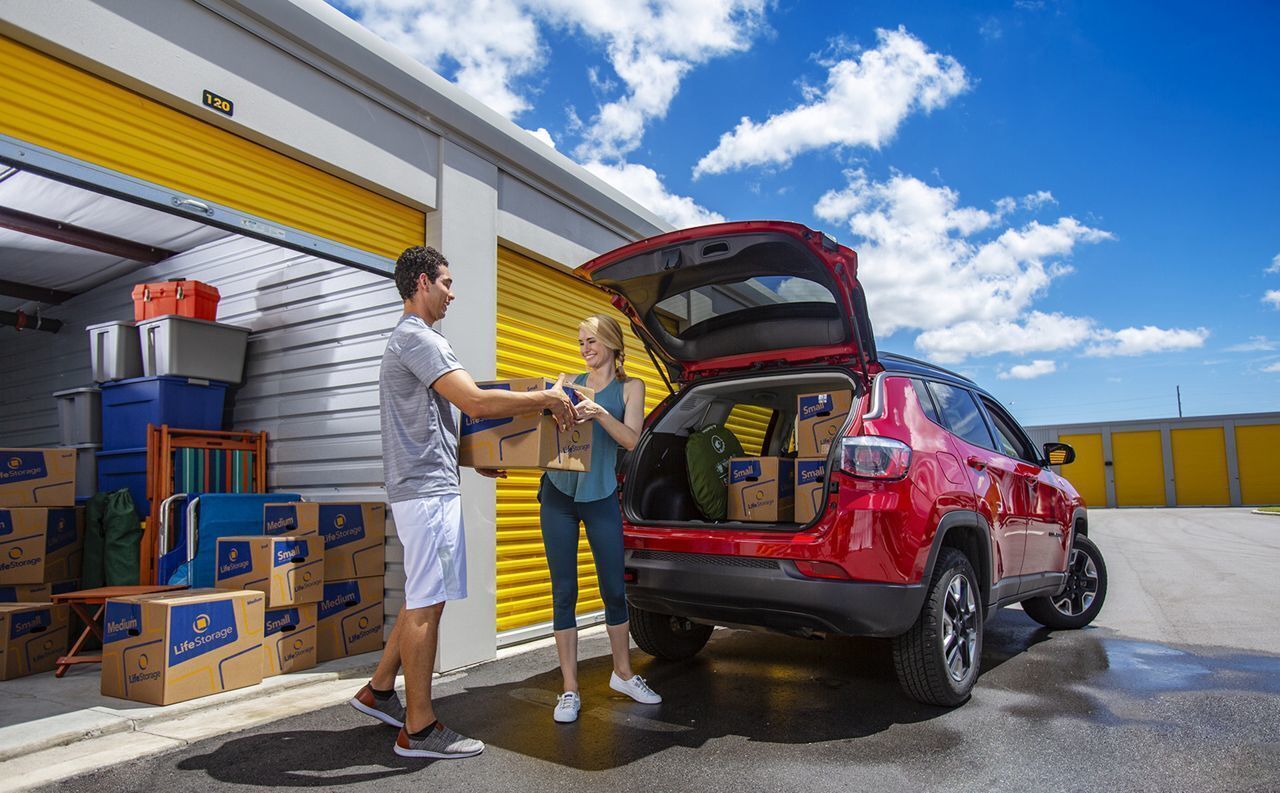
[635, 688]
[387, 710]
[567, 707]
[441, 743]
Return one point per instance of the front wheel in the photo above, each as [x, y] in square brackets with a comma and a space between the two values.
[1081, 597]
[667, 637]
[937, 659]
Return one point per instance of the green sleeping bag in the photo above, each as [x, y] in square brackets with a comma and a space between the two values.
[707, 453]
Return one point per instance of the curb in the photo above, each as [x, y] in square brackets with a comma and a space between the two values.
[1269, 514]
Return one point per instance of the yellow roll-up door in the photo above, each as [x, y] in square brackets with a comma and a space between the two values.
[1139, 465]
[539, 308]
[1200, 466]
[60, 107]
[1256, 457]
[1088, 474]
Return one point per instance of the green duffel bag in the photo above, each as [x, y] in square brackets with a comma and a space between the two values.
[707, 454]
[112, 540]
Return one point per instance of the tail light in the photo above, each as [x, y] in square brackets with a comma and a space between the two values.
[874, 457]
[821, 570]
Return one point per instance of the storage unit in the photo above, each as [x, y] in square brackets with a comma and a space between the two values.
[114, 351]
[175, 346]
[1256, 454]
[128, 406]
[79, 415]
[1200, 467]
[184, 298]
[1088, 473]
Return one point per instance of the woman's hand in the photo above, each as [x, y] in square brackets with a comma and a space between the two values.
[492, 473]
[588, 410]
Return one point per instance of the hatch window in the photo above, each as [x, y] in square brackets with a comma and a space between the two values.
[681, 314]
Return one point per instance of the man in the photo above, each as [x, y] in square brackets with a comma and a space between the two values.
[420, 383]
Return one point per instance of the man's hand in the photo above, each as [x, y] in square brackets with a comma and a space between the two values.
[492, 473]
[560, 405]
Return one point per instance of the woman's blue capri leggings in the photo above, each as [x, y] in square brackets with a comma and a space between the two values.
[560, 516]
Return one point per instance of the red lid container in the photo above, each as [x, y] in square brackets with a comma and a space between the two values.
[193, 299]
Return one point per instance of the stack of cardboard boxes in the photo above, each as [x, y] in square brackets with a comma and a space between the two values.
[41, 543]
[784, 489]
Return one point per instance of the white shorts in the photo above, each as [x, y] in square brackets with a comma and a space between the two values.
[435, 549]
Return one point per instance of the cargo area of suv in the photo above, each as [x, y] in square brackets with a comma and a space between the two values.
[657, 476]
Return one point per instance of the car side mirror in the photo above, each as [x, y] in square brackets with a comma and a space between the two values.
[1059, 453]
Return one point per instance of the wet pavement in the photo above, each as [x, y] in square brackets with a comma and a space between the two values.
[1109, 707]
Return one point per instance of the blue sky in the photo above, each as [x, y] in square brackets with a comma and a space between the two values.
[1074, 203]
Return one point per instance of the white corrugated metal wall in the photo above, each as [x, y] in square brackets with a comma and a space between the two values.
[311, 377]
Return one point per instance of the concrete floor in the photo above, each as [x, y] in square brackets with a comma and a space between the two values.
[1175, 687]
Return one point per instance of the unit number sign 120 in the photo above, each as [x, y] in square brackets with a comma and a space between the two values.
[225, 106]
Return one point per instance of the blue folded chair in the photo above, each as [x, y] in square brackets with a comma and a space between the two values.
[206, 517]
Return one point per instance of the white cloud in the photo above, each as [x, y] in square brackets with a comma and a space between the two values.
[1029, 371]
[645, 186]
[1254, 344]
[541, 134]
[990, 29]
[1144, 340]
[1273, 297]
[930, 263]
[1038, 199]
[864, 101]
[1275, 264]
[488, 45]
[492, 46]
[1275, 367]
[1038, 332]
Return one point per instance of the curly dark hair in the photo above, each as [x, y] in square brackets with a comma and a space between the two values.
[414, 262]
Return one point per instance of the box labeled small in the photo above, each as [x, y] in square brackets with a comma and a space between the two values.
[289, 640]
[811, 483]
[350, 618]
[762, 489]
[530, 441]
[33, 636]
[37, 477]
[175, 646]
[288, 569]
[819, 417]
[354, 533]
[39, 545]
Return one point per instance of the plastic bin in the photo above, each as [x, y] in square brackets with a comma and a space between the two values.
[183, 347]
[115, 351]
[87, 469]
[185, 298]
[125, 468]
[128, 406]
[79, 416]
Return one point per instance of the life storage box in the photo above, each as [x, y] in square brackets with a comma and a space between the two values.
[193, 299]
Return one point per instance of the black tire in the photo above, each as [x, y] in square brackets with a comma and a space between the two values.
[938, 658]
[1084, 593]
[667, 637]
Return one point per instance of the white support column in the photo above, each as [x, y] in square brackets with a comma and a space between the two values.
[1109, 468]
[1166, 449]
[1233, 463]
[465, 230]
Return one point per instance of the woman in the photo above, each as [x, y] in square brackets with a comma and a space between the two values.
[568, 497]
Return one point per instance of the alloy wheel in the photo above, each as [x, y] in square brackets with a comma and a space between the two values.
[959, 627]
[1081, 587]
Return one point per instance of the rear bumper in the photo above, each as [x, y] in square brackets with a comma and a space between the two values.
[767, 593]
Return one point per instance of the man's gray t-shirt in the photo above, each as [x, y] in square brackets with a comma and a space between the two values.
[419, 426]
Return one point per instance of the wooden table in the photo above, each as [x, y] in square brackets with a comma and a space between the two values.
[80, 603]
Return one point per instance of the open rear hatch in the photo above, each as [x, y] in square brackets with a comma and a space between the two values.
[737, 296]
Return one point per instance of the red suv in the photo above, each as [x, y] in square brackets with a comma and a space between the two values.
[936, 509]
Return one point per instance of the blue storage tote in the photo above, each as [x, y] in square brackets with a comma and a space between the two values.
[128, 406]
[125, 468]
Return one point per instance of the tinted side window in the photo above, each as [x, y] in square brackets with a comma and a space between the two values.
[961, 415]
[1009, 437]
[926, 402]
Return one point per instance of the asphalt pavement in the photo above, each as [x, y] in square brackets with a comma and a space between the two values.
[1175, 687]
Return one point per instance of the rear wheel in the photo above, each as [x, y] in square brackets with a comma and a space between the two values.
[1081, 597]
[667, 637]
[937, 659]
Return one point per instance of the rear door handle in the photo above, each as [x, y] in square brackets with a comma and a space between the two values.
[975, 462]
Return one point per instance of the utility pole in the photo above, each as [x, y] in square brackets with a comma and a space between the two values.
[1178, 388]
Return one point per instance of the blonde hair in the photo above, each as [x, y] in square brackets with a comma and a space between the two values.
[606, 329]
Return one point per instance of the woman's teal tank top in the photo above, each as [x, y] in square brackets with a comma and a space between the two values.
[602, 480]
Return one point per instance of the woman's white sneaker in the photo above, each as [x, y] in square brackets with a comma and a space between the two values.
[635, 688]
[567, 707]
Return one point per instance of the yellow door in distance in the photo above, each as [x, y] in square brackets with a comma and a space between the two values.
[1200, 467]
[1138, 461]
[1087, 474]
[1256, 457]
